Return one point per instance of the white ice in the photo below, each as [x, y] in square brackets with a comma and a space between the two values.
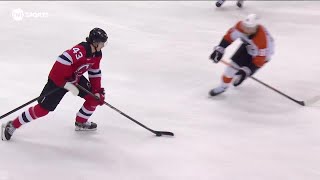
[156, 69]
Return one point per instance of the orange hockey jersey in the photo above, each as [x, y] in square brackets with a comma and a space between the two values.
[260, 46]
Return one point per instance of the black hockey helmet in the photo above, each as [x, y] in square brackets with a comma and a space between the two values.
[97, 35]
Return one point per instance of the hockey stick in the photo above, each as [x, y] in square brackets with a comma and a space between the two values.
[157, 133]
[27, 103]
[302, 103]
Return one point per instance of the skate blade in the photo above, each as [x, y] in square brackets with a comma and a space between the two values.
[3, 126]
[84, 129]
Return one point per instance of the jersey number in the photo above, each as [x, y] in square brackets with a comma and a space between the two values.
[77, 53]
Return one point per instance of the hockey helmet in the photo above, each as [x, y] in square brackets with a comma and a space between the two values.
[251, 21]
[97, 35]
[250, 24]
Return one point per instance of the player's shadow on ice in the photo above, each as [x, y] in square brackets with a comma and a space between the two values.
[225, 8]
[253, 99]
[47, 152]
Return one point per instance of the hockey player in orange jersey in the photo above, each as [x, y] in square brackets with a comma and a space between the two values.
[254, 52]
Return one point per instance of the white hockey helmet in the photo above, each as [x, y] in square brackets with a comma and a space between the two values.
[251, 21]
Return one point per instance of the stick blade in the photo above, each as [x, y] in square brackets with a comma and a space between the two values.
[160, 133]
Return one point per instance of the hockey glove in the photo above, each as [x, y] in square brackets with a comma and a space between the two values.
[100, 93]
[72, 88]
[241, 75]
[217, 54]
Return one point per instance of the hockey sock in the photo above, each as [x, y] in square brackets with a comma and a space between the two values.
[85, 112]
[32, 113]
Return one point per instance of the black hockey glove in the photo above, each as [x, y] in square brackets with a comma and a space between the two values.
[217, 54]
[241, 75]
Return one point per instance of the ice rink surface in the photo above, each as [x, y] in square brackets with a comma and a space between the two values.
[156, 69]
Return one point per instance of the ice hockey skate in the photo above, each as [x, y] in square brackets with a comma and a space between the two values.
[239, 3]
[236, 81]
[7, 131]
[219, 3]
[87, 126]
[218, 90]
